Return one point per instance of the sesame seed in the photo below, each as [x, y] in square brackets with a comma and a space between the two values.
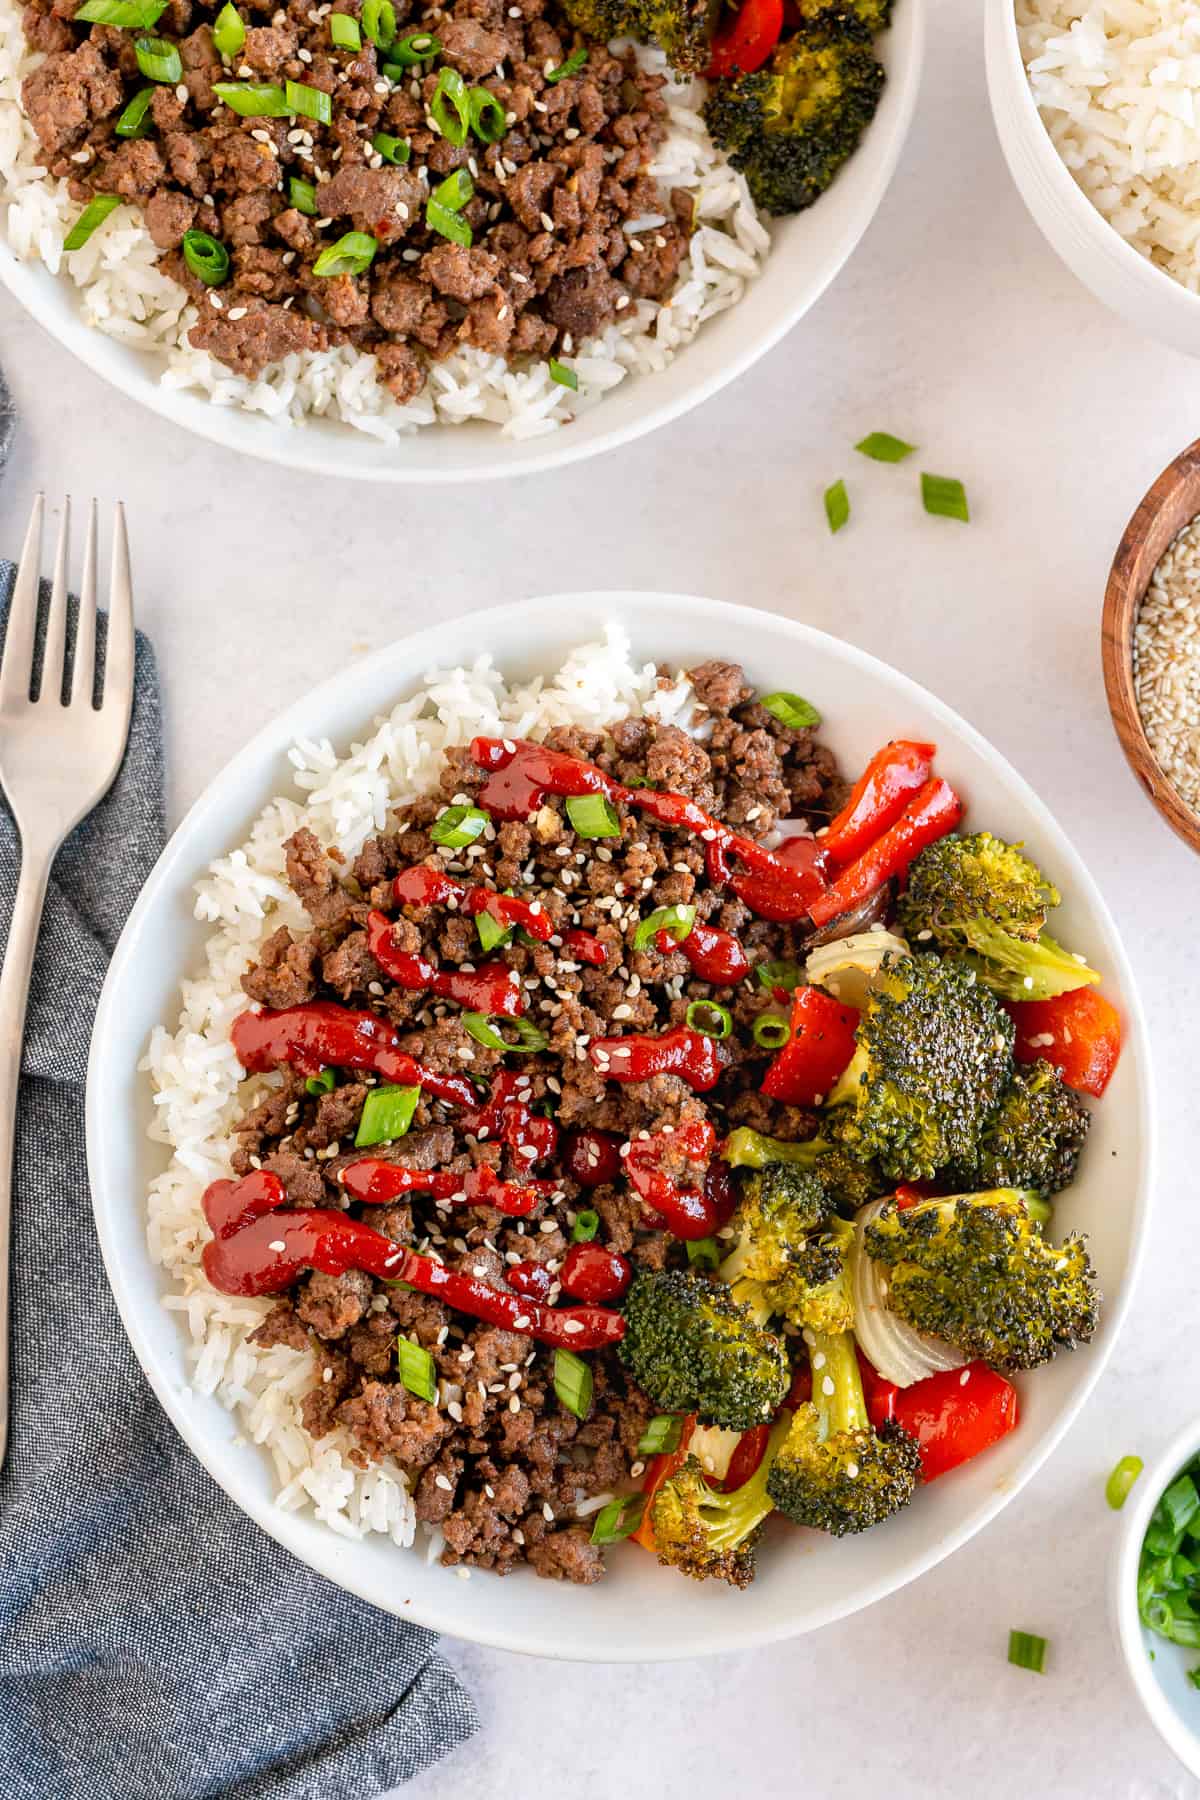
[514, 1404]
[277, 1244]
[827, 1386]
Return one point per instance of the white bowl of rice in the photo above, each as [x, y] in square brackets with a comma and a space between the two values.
[1097, 105]
[164, 1085]
[745, 282]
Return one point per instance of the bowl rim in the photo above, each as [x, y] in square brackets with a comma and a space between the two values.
[175, 872]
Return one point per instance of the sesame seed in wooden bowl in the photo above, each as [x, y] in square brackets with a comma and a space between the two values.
[1151, 644]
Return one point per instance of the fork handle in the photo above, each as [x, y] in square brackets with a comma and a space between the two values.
[14, 995]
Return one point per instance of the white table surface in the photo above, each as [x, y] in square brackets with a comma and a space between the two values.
[955, 326]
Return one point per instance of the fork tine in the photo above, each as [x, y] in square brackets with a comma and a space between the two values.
[16, 668]
[118, 657]
[83, 680]
[51, 685]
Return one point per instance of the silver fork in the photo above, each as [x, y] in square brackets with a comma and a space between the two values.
[58, 756]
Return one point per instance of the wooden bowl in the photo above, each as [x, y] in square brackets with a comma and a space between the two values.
[1172, 503]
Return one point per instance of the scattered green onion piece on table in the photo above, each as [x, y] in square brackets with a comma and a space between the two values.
[619, 1519]
[349, 256]
[573, 1382]
[459, 826]
[126, 15]
[1116, 1488]
[945, 497]
[379, 23]
[324, 1083]
[563, 374]
[455, 191]
[229, 30]
[881, 446]
[482, 1029]
[771, 1031]
[309, 102]
[252, 99]
[489, 121]
[1027, 1651]
[572, 66]
[92, 216]
[387, 1113]
[158, 59]
[344, 31]
[448, 224]
[450, 108]
[416, 1370]
[303, 195]
[491, 932]
[134, 122]
[780, 974]
[791, 710]
[587, 1224]
[707, 1017]
[205, 257]
[392, 149]
[417, 47]
[593, 816]
[678, 920]
[837, 505]
[703, 1253]
[661, 1435]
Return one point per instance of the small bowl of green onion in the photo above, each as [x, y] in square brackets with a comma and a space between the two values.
[1156, 1588]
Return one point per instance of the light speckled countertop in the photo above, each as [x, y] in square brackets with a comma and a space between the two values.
[955, 326]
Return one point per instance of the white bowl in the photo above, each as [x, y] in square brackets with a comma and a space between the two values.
[807, 252]
[639, 1612]
[1172, 1703]
[1144, 295]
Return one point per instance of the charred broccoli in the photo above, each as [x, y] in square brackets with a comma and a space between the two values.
[694, 1348]
[706, 1533]
[933, 1056]
[984, 899]
[780, 1207]
[848, 1182]
[683, 29]
[806, 1280]
[1034, 1137]
[975, 1270]
[833, 1471]
[876, 15]
[792, 124]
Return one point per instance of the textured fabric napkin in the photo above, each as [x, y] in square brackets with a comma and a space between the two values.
[154, 1644]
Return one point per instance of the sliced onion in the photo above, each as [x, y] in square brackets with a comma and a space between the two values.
[847, 968]
[714, 1446]
[891, 1346]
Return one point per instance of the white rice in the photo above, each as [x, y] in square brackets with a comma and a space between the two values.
[198, 1088]
[1117, 83]
[124, 294]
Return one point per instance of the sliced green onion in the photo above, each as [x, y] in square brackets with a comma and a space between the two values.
[771, 1031]
[134, 122]
[252, 99]
[573, 1382]
[459, 826]
[303, 195]
[587, 1224]
[491, 932]
[678, 920]
[791, 710]
[448, 224]
[1180, 1504]
[1116, 1488]
[703, 1253]
[344, 31]
[489, 121]
[416, 1370]
[564, 375]
[386, 1114]
[483, 1030]
[713, 1020]
[572, 66]
[158, 60]
[945, 497]
[881, 446]
[392, 149]
[661, 1435]
[379, 23]
[780, 974]
[417, 47]
[1193, 1675]
[205, 257]
[229, 30]
[324, 1083]
[455, 191]
[593, 816]
[92, 216]
[837, 505]
[619, 1519]
[127, 15]
[309, 102]
[349, 256]
[450, 109]
[1027, 1651]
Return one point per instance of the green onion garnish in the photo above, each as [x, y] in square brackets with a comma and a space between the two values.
[791, 710]
[678, 920]
[771, 1031]
[392, 149]
[572, 66]
[158, 60]
[1179, 1505]
[450, 109]
[661, 1435]
[837, 505]
[593, 816]
[573, 1382]
[1027, 1651]
[945, 497]
[455, 191]
[416, 1370]
[205, 257]
[491, 932]
[1116, 1488]
[134, 122]
[565, 376]
[387, 1113]
[92, 216]
[127, 15]
[252, 99]
[324, 1083]
[703, 1253]
[309, 102]
[619, 1519]
[459, 826]
[418, 47]
[881, 446]
[349, 256]
[780, 974]
[303, 195]
[379, 23]
[707, 1017]
[489, 121]
[344, 31]
[483, 1030]
[448, 224]
[587, 1224]
[229, 30]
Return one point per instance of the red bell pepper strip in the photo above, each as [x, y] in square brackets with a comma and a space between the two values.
[881, 793]
[821, 1045]
[953, 1415]
[658, 1470]
[801, 1388]
[1079, 1032]
[748, 1452]
[745, 44]
[934, 811]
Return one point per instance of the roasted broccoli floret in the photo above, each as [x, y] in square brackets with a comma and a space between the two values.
[933, 1056]
[975, 1270]
[876, 15]
[705, 1533]
[780, 1207]
[809, 1286]
[833, 1471]
[983, 899]
[1034, 1137]
[694, 1348]
[683, 29]
[848, 1182]
[791, 125]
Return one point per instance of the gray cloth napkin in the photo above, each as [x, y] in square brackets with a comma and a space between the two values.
[154, 1644]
